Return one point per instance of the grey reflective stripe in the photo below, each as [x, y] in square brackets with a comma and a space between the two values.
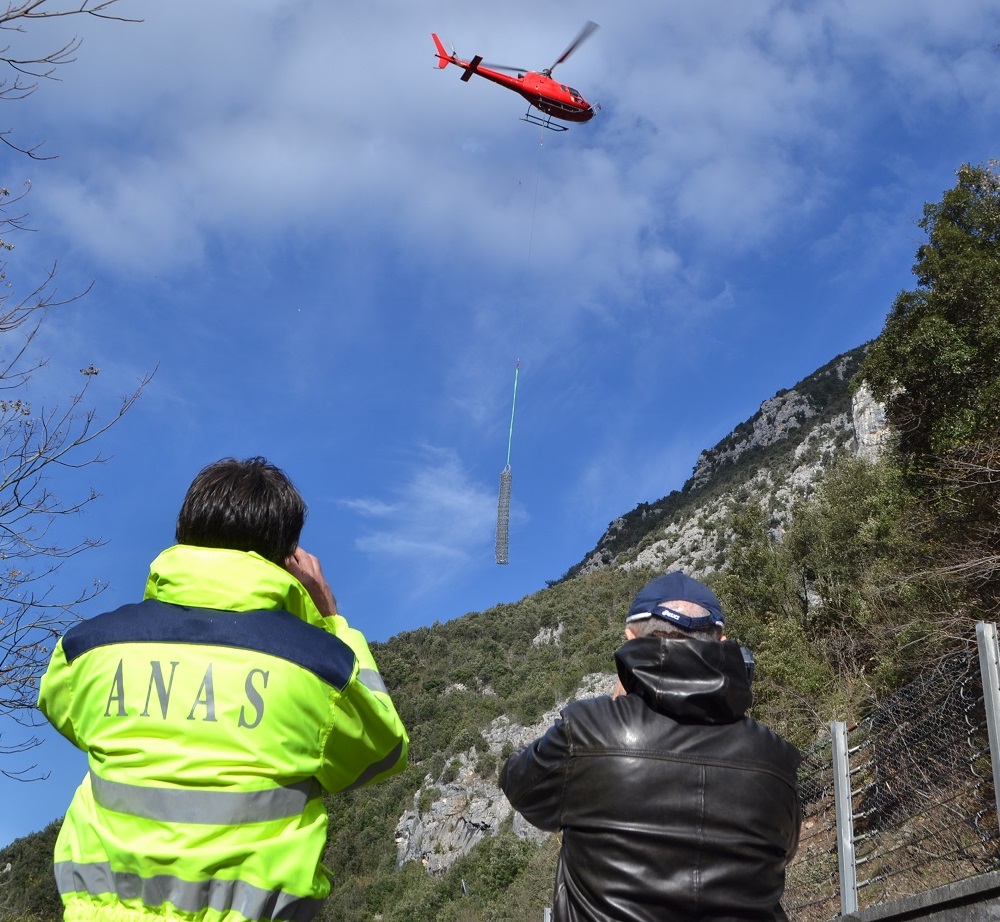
[376, 768]
[372, 680]
[213, 808]
[186, 895]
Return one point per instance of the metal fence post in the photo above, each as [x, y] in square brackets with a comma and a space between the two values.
[845, 818]
[986, 640]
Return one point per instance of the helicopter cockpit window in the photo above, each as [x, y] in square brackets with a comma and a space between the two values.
[574, 93]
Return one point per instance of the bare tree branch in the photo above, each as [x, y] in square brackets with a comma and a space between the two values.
[49, 9]
[29, 70]
[37, 443]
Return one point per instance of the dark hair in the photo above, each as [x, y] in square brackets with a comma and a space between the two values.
[246, 505]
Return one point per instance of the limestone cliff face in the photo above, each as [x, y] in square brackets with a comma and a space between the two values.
[696, 544]
[454, 811]
[871, 430]
[775, 421]
[774, 458]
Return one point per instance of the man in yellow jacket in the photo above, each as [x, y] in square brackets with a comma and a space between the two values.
[214, 714]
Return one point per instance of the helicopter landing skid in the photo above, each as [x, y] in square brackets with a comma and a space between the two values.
[546, 122]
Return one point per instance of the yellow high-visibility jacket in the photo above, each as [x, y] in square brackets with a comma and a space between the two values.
[214, 714]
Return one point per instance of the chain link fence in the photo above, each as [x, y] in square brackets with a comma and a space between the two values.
[812, 887]
[922, 807]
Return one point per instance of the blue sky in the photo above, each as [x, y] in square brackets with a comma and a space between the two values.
[333, 254]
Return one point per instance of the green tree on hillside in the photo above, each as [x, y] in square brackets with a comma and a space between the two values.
[937, 362]
[27, 885]
[843, 607]
[937, 366]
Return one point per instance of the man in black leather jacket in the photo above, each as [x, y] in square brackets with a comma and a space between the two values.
[673, 804]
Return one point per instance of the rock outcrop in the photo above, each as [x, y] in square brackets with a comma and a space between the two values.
[454, 811]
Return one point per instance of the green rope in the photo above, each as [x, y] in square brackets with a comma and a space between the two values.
[510, 436]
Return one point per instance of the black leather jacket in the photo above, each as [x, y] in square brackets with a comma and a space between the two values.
[673, 804]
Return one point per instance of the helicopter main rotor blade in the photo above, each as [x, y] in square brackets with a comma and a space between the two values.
[588, 29]
[513, 70]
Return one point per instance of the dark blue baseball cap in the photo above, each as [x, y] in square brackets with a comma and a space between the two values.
[676, 587]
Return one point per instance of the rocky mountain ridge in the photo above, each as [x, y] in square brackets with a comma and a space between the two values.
[777, 457]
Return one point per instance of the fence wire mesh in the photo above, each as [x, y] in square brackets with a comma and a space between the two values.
[922, 797]
[812, 890]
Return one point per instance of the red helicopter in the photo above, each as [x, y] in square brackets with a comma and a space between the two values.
[550, 96]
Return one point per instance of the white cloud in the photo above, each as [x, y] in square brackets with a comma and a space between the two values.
[371, 508]
[438, 519]
[260, 120]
